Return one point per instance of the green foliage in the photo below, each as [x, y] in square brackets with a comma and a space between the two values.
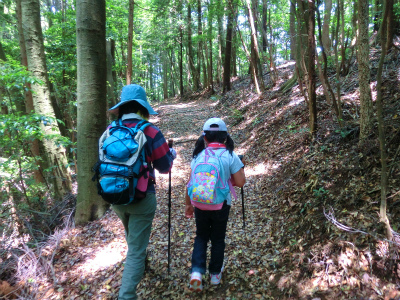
[19, 191]
[320, 193]
[237, 115]
[13, 79]
[343, 132]
[257, 121]
[60, 47]
[293, 128]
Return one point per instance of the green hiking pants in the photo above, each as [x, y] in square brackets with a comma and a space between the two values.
[137, 219]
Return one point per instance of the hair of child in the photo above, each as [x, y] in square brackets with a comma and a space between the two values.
[212, 137]
[133, 107]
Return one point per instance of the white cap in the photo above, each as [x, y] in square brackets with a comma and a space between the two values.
[221, 126]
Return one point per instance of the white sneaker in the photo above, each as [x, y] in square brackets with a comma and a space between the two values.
[216, 278]
[195, 282]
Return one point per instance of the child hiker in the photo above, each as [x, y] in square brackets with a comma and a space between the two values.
[214, 168]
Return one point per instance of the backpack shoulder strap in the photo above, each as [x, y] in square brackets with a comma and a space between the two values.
[142, 125]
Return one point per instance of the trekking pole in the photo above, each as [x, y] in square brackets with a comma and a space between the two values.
[242, 193]
[170, 143]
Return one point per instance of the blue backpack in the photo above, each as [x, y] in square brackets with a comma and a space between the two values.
[121, 172]
[208, 188]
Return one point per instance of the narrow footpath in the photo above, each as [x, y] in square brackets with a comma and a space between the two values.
[89, 262]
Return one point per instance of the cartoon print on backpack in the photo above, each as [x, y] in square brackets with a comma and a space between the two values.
[208, 187]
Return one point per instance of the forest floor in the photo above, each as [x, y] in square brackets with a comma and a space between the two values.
[311, 205]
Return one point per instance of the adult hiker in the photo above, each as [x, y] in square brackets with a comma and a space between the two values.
[137, 217]
[214, 167]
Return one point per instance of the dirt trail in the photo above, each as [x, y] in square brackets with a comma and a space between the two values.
[89, 263]
[183, 123]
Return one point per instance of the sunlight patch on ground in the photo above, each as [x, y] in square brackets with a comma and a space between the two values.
[106, 257]
[261, 169]
[290, 63]
[296, 101]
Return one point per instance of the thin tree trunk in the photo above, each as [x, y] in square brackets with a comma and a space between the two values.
[34, 145]
[264, 25]
[210, 28]
[381, 123]
[311, 68]
[272, 65]
[221, 42]
[292, 30]
[111, 98]
[326, 42]
[364, 71]
[389, 24]
[54, 154]
[234, 49]
[335, 49]
[226, 84]
[256, 58]
[181, 62]
[336, 106]
[165, 75]
[130, 41]
[200, 43]
[192, 68]
[342, 37]
[92, 67]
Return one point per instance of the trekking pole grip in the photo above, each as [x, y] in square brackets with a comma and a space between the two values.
[170, 143]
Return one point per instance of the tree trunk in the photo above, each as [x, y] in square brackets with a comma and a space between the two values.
[200, 43]
[192, 68]
[165, 74]
[210, 52]
[330, 94]
[91, 58]
[130, 41]
[173, 73]
[272, 65]
[181, 62]
[226, 84]
[35, 145]
[292, 30]
[342, 37]
[256, 57]
[311, 68]
[234, 49]
[221, 42]
[389, 24]
[264, 25]
[54, 154]
[364, 71]
[381, 122]
[111, 98]
[377, 12]
[326, 41]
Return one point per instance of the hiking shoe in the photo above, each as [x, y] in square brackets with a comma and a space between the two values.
[195, 282]
[216, 278]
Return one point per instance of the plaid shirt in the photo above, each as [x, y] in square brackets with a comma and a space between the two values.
[157, 152]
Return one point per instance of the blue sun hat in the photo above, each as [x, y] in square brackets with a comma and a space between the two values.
[133, 92]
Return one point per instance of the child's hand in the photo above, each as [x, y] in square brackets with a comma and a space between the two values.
[189, 211]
